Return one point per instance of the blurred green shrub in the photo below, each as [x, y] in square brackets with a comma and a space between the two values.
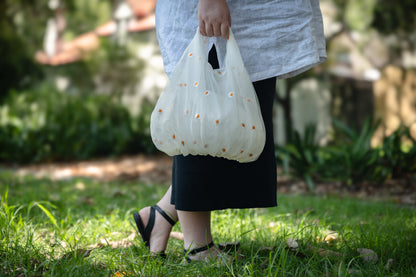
[349, 158]
[398, 155]
[47, 125]
[303, 155]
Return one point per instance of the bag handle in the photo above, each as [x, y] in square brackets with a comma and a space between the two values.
[232, 54]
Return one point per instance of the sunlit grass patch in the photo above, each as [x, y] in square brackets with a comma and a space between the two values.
[82, 227]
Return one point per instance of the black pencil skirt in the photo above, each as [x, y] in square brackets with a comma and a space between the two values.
[205, 183]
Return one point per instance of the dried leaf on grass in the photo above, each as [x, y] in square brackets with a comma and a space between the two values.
[267, 248]
[325, 252]
[330, 237]
[293, 246]
[353, 271]
[292, 243]
[80, 186]
[368, 255]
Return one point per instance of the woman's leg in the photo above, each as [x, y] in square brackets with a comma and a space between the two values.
[160, 233]
[196, 228]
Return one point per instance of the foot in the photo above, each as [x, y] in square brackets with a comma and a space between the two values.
[208, 253]
[159, 234]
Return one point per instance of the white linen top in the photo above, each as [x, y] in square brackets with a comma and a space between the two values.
[279, 38]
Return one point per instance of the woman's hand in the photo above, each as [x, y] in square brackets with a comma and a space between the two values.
[214, 18]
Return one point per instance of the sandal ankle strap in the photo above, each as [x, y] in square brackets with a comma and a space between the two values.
[165, 215]
[200, 249]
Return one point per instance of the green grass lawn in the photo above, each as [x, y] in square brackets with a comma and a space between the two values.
[77, 228]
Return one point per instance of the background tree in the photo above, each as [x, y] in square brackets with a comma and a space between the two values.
[22, 27]
[21, 22]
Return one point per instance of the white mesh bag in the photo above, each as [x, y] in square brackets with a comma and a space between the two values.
[203, 111]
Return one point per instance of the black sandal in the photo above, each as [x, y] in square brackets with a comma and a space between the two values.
[196, 251]
[145, 231]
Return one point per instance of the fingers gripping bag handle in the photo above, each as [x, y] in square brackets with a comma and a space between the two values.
[206, 111]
